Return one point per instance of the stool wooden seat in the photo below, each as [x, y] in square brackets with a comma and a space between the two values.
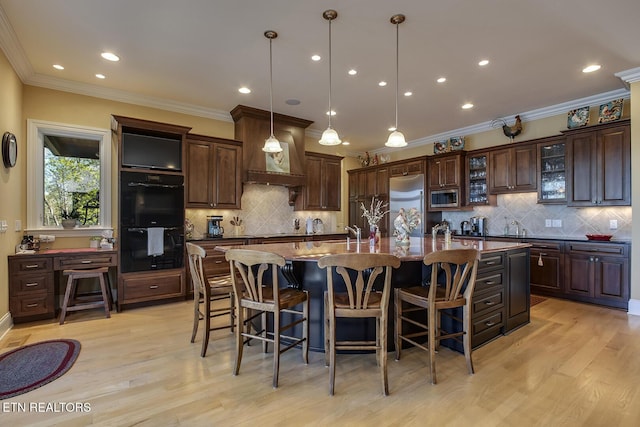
[73, 302]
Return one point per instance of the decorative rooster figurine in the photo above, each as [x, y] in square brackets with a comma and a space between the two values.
[509, 131]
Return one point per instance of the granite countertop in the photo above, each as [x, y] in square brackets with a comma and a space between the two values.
[272, 235]
[311, 251]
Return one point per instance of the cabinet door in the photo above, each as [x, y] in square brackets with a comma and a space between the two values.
[444, 172]
[612, 279]
[581, 182]
[199, 175]
[227, 183]
[546, 271]
[382, 182]
[371, 183]
[525, 166]
[500, 166]
[518, 294]
[332, 183]
[314, 186]
[613, 150]
[579, 275]
[353, 184]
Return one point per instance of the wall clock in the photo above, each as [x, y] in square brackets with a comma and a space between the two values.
[9, 149]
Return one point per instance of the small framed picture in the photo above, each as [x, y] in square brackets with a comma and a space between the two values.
[441, 146]
[611, 111]
[456, 143]
[578, 117]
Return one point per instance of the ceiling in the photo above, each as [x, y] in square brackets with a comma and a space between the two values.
[193, 56]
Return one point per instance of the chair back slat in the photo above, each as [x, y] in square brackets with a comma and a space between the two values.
[251, 266]
[195, 255]
[459, 266]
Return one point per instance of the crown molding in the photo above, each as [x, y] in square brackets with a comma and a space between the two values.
[13, 50]
[629, 76]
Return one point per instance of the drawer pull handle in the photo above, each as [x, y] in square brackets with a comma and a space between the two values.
[32, 305]
[219, 262]
[490, 262]
[489, 282]
[490, 324]
[31, 266]
[489, 303]
[86, 261]
[31, 284]
[153, 287]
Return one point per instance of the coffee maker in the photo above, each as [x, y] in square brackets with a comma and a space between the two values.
[478, 226]
[214, 229]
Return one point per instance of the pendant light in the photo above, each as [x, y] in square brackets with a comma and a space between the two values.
[330, 136]
[271, 144]
[396, 139]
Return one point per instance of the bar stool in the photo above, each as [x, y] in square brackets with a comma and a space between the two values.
[73, 302]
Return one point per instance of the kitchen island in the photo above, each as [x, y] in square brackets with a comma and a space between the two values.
[501, 297]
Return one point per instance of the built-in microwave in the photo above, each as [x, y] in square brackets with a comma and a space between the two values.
[448, 198]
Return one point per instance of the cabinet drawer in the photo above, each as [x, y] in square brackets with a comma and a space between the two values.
[149, 287]
[603, 249]
[29, 265]
[92, 260]
[486, 281]
[490, 262]
[24, 306]
[215, 265]
[29, 284]
[487, 302]
[487, 328]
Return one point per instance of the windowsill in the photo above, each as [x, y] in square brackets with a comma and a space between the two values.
[68, 232]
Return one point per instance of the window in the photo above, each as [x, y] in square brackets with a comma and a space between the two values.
[69, 177]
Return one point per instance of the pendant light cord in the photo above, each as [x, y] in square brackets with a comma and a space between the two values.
[397, 68]
[271, 83]
[330, 72]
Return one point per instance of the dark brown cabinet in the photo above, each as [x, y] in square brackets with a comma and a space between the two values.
[547, 267]
[366, 183]
[599, 161]
[31, 288]
[518, 289]
[513, 170]
[445, 171]
[552, 169]
[477, 180]
[598, 272]
[412, 167]
[322, 191]
[213, 173]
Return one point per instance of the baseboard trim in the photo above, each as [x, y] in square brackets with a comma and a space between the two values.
[634, 307]
[6, 323]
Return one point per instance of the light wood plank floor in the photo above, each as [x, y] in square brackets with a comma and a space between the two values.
[573, 365]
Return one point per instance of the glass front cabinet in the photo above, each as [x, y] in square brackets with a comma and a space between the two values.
[477, 190]
[551, 166]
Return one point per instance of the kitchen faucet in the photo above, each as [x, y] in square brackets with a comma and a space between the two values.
[356, 232]
[517, 224]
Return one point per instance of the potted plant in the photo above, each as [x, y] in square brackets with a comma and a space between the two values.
[70, 218]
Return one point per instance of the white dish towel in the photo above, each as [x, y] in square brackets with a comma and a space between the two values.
[155, 241]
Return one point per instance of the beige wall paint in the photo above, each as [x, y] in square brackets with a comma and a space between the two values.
[11, 180]
[635, 192]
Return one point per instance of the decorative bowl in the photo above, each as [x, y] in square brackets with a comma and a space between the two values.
[602, 237]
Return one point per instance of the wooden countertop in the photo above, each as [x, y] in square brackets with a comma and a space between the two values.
[312, 251]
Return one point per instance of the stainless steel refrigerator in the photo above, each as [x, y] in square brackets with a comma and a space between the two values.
[407, 192]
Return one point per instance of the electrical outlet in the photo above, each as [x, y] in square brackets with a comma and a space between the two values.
[613, 224]
[18, 225]
[547, 223]
[3, 226]
[557, 223]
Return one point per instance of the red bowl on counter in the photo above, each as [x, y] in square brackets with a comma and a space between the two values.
[600, 237]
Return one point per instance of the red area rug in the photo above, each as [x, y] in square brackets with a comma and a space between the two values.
[34, 365]
[535, 299]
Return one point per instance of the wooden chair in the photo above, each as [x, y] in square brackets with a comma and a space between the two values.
[254, 296]
[74, 302]
[353, 298]
[454, 289]
[207, 293]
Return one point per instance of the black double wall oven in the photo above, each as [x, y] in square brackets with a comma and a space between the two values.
[151, 221]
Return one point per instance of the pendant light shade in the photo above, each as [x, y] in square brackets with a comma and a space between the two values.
[271, 144]
[330, 136]
[396, 139]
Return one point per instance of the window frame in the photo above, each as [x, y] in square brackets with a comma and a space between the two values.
[36, 129]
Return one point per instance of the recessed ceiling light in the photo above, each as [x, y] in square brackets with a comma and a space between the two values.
[391, 129]
[383, 83]
[316, 58]
[467, 106]
[345, 143]
[352, 72]
[408, 93]
[483, 62]
[442, 80]
[110, 56]
[101, 76]
[292, 101]
[244, 89]
[591, 68]
[58, 67]
[333, 113]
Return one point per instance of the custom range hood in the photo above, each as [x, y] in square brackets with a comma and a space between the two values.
[252, 127]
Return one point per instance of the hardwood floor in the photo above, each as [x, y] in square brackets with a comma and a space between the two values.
[573, 365]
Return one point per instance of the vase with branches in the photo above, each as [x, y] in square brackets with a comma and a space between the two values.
[376, 211]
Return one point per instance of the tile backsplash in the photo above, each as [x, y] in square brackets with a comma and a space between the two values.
[265, 210]
[574, 222]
